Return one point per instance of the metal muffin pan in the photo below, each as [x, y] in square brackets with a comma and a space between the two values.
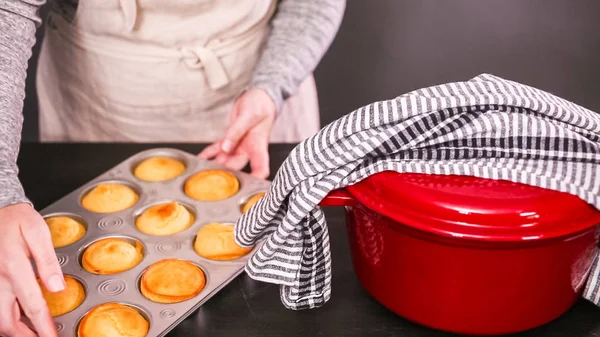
[123, 287]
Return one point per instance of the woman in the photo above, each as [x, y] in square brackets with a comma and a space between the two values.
[236, 73]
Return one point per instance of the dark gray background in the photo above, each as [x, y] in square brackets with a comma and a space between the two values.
[388, 47]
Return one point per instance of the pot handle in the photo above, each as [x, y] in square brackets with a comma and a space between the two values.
[339, 197]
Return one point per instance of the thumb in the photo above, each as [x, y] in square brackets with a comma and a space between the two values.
[237, 130]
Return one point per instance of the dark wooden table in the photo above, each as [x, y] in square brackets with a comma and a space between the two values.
[245, 307]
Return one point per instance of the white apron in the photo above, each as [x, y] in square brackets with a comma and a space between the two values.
[157, 71]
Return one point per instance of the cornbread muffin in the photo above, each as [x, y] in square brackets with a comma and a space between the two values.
[165, 219]
[64, 230]
[252, 201]
[158, 169]
[109, 198]
[212, 185]
[172, 281]
[215, 242]
[65, 301]
[111, 256]
[113, 320]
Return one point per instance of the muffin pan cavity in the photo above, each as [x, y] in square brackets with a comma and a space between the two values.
[111, 255]
[165, 217]
[212, 185]
[215, 242]
[171, 281]
[119, 281]
[110, 196]
[115, 316]
[251, 200]
[159, 166]
[63, 302]
[66, 228]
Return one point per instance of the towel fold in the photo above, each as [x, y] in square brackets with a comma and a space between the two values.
[487, 127]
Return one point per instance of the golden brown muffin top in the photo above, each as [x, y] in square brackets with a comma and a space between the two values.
[252, 201]
[109, 198]
[113, 320]
[164, 219]
[212, 185]
[215, 241]
[64, 301]
[64, 230]
[111, 256]
[158, 169]
[172, 281]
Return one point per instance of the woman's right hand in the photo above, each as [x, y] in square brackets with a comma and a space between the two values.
[24, 235]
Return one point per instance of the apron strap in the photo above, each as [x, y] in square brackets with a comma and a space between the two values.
[201, 57]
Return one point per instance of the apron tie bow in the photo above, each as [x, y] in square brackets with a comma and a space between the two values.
[201, 57]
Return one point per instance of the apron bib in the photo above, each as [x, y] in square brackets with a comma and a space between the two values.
[157, 71]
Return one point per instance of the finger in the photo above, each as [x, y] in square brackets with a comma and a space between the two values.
[22, 330]
[259, 162]
[236, 110]
[237, 130]
[210, 151]
[38, 239]
[29, 295]
[237, 162]
[20, 327]
[10, 324]
[221, 158]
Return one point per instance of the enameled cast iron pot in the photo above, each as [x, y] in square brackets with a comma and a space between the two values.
[469, 255]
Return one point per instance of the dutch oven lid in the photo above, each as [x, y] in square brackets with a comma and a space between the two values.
[475, 208]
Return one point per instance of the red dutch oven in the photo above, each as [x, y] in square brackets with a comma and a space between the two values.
[469, 255]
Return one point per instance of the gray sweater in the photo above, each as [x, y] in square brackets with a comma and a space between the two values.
[302, 30]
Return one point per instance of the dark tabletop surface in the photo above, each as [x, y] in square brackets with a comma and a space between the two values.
[246, 307]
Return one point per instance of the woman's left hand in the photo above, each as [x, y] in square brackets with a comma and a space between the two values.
[247, 137]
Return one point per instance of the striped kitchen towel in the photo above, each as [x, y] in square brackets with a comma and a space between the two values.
[487, 127]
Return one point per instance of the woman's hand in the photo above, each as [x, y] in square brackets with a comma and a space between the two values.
[247, 137]
[24, 234]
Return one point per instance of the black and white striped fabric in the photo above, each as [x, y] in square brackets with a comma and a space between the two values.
[487, 127]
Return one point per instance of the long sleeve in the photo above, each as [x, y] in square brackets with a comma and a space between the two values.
[18, 22]
[302, 31]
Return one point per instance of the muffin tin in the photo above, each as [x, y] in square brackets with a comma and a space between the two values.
[124, 287]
